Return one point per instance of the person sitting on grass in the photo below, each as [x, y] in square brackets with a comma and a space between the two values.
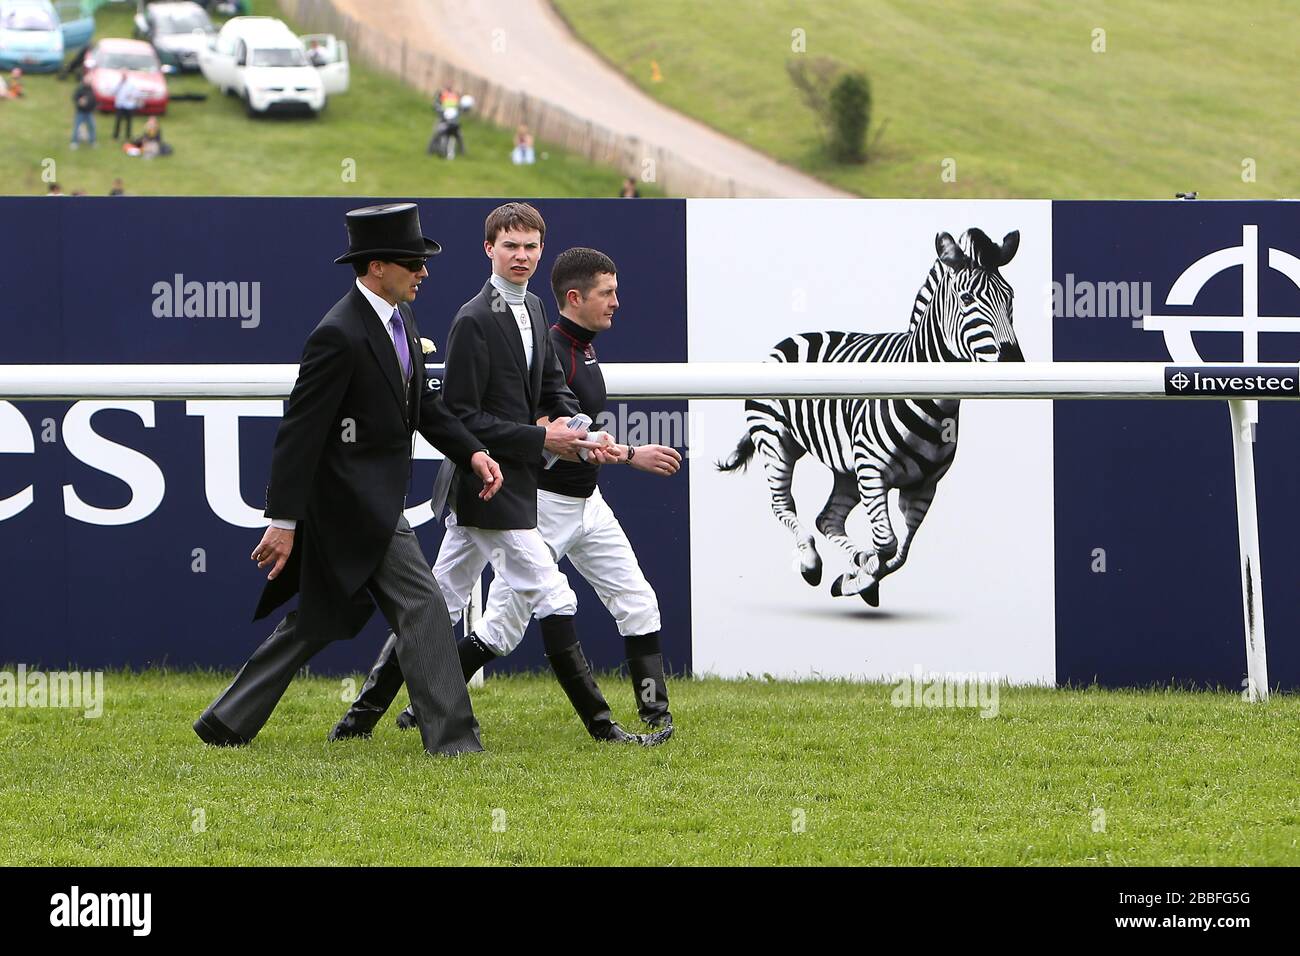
[16, 84]
[523, 154]
[150, 143]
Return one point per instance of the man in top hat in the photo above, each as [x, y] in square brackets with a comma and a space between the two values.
[339, 473]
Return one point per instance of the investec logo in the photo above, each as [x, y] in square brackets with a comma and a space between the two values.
[1231, 381]
[1237, 380]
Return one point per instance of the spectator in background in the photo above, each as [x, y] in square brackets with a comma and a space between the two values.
[4, 89]
[629, 190]
[83, 102]
[54, 190]
[16, 84]
[151, 142]
[315, 54]
[522, 154]
[126, 100]
[118, 189]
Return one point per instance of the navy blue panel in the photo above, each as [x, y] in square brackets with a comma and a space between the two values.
[1151, 483]
[77, 282]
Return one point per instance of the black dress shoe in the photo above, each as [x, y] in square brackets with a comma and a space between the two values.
[614, 734]
[213, 732]
[348, 729]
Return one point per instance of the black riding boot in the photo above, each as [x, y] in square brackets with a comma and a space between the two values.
[645, 665]
[474, 654]
[377, 693]
[574, 674]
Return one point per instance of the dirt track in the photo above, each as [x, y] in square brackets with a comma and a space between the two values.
[542, 57]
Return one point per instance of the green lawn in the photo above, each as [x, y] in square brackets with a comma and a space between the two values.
[379, 124]
[1010, 89]
[1074, 777]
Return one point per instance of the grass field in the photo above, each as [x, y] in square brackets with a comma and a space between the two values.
[380, 124]
[1011, 90]
[1071, 777]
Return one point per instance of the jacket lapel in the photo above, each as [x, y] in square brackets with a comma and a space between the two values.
[382, 346]
[539, 347]
[504, 316]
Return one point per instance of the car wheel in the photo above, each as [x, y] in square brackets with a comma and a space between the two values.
[248, 108]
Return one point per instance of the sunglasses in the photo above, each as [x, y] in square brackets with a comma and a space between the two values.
[410, 265]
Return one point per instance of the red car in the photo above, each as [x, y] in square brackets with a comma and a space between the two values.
[109, 60]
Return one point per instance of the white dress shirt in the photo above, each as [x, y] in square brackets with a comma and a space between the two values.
[384, 309]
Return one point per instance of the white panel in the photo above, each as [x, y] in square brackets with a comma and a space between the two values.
[977, 592]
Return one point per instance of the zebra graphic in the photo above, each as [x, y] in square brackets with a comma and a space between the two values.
[962, 314]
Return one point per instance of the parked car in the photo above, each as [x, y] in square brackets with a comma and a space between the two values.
[34, 34]
[112, 58]
[260, 60]
[178, 31]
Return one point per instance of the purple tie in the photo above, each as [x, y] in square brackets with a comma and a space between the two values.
[399, 342]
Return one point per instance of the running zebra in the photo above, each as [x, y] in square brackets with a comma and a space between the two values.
[961, 314]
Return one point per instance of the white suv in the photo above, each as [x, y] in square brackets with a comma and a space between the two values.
[260, 60]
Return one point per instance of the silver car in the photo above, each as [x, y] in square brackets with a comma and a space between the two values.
[177, 30]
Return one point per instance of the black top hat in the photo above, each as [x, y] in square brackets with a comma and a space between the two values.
[390, 231]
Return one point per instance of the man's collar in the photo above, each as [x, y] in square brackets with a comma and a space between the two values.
[574, 331]
[378, 303]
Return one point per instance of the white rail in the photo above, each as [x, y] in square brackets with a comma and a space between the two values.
[694, 380]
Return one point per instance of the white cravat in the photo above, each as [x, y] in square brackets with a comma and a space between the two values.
[513, 295]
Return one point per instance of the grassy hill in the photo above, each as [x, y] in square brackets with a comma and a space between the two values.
[1011, 89]
[380, 124]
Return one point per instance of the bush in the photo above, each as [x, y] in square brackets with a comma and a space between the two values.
[813, 77]
[850, 115]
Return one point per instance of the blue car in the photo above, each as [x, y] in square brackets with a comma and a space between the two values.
[34, 36]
